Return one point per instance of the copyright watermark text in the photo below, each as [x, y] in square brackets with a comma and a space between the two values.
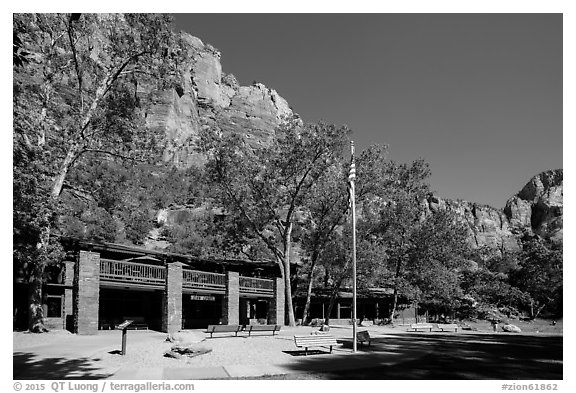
[104, 386]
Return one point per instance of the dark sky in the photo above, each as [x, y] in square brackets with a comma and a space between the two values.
[478, 96]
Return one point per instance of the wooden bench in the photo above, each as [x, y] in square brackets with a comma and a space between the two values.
[263, 328]
[416, 326]
[448, 327]
[315, 340]
[223, 329]
[363, 336]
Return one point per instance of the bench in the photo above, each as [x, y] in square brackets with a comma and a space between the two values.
[416, 326]
[315, 340]
[448, 327]
[223, 329]
[363, 336]
[263, 328]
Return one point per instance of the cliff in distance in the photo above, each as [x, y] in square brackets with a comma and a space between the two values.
[207, 97]
[536, 209]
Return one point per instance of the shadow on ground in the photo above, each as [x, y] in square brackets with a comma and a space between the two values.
[307, 353]
[447, 357]
[29, 366]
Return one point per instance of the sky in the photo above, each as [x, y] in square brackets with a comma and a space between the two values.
[478, 96]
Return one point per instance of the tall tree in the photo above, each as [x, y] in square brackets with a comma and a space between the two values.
[391, 208]
[326, 205]
[540, 274]
[439, 249]
[268, 185]
[77, 96]
[388, 197]
[492, 290]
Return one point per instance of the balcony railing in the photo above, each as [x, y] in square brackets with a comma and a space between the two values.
[196, 279]
[153, 275]
[254, 285]
[132, 272]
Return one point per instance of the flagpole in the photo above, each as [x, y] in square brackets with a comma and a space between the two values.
[352, 177]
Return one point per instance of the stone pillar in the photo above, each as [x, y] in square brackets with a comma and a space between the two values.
[231, 303]
[86, 293]
[276, 310]
[172, 302]
[68, 306]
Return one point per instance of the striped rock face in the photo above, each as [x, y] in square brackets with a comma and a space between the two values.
[209, 98]
[536, 209]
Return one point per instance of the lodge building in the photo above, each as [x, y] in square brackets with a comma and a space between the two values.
[103, 284]
[100, 285]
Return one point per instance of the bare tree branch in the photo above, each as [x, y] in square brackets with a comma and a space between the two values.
[76, 64]
[78, 192]
[110, 153]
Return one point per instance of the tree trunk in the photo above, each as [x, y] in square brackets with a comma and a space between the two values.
[334, 294]
[395, 301]
[287, 286]
[35, 311]
[539, 311]
[35, 281]
[71, 156]
[335, 290]
[333, 297]
[308, 294]
[394, 304]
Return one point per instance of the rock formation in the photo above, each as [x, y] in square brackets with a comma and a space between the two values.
[487, 226]
[209, 98]
[536, 209]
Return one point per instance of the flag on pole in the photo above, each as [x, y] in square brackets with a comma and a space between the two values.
[351, 178]
[352, 174]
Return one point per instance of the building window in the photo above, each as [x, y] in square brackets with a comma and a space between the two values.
[54, 305]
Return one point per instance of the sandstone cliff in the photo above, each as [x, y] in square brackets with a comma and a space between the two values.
[207, 97]
[486, 225]
[536, 209]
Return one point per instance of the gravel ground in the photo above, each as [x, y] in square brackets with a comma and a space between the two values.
[146, 349]
[22, 340]
[226, 350]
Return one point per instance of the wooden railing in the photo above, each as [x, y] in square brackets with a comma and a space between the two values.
[203, 280]
[132, 272]
[153, 275]
[256, 285]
